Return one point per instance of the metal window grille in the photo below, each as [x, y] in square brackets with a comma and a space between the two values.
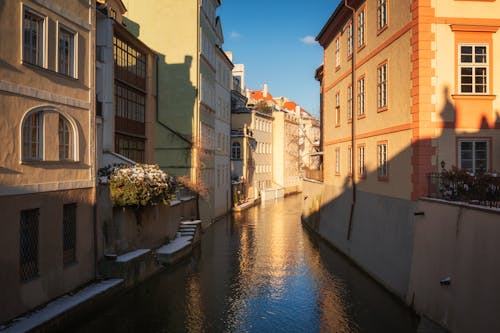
[69, 234]
[33, 38]
[28, 244]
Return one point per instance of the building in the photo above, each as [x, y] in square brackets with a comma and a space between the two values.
[125, 90]
[47, 173]
[222, 191]
[286, 152]
[184, 35]
[408, 88]
[309, 146]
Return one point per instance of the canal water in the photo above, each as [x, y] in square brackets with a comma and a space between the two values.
[257, 271]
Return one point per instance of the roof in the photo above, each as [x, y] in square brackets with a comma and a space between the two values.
[259, 95]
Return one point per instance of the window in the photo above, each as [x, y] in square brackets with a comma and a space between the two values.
[382, 86]
[361, 28]
[28, 244]
[32, 137]
[382, 160]
[131, 147]
[337, 52]
[349, 40]
[66, 53]
[381, 14]
[361, 162]
[60, 130]
[69, 234]
[236, 151]
[337, 109]
[130, 63]
[473, 69]
[349, 156]
[65, 145]
[361, 97]
[337, 161]
[474, 155]
[33, 37]
[349, 102]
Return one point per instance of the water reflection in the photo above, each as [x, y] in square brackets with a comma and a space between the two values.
[257, 272]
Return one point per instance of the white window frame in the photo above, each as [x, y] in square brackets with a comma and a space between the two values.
[382, 169]
[473, 65]
[236, 151]
[361, 96]
[73, 55]
[361, 161]
[28, 140]
[337, 52]
[349, 102]
[41, 47]
[382, 86]
[349, 156]
[337, 161]
[350, 41]
[381, 14]
[337, 108]
[361, 28]
[474, 141]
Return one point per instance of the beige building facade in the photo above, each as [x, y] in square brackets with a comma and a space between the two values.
[47, 183]
[408, 88]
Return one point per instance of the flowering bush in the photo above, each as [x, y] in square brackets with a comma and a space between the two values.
[140, 185]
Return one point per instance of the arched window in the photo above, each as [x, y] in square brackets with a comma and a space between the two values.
[236, 151]
[47, 124]
[32, 137]
[65, 139]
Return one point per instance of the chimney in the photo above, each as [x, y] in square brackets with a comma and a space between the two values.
[264, 91]
[297, 111]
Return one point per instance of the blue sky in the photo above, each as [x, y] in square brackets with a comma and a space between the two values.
[275, 41]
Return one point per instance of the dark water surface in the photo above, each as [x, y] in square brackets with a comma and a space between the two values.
[258, 271]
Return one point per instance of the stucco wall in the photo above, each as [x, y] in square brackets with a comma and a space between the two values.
[461, 243]
[381, 239]
[53, 278]
[122, 231]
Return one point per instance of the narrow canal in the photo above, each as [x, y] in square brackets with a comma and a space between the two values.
[258, 271]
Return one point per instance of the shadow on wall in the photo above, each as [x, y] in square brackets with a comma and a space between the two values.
[377, 231]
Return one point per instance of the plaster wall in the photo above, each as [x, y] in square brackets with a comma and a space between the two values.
[458, 242]
[53, 279]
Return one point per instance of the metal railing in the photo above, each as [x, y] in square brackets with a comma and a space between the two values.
[460, 185]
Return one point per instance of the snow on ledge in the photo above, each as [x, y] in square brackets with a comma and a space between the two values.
[57, 307]
[132, 255]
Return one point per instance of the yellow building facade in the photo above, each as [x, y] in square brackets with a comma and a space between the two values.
[421, 95]
[47, 159]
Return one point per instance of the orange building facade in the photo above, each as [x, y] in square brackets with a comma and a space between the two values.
[423, 96]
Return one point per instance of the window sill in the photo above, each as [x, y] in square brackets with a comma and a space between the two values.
[473, 97]
[44, 162]
[337, 125]
[384, 179]
[382, 109]
[381, 30]
[337, 68]
[44, 69]
[361, 47]
[362, 116]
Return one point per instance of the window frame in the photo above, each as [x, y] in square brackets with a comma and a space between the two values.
[361, 28]
[337, 53]
[382, 15]
[41, 43]
[337, 109]
[382, 84]
[349, 103]
[473, 66]
[350, 39]
[73, 54]
[337, 161]
[382, 161]
[361, 161]
[350, 161]
[27, 139]
[236, 150]
[474, 140]
[29, 253]
[361, 97]
[69, 233]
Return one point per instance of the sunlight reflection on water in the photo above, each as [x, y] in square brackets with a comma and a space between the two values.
[258, 272]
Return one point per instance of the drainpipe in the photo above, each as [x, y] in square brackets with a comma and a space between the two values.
[353, 139]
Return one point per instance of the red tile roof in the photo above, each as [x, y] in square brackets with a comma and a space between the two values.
[259, 95]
